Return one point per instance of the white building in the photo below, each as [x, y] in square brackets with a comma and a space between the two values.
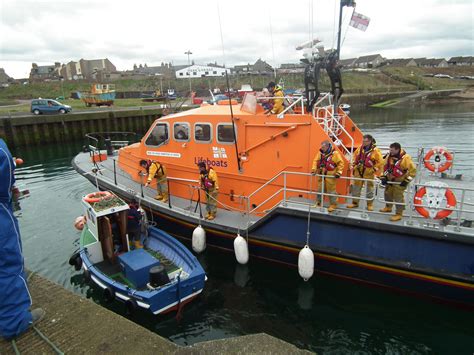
[198, 71]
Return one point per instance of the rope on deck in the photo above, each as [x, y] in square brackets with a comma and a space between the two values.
[50, 343]
[15, 348]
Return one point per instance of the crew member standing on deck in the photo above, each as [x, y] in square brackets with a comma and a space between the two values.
[329, 163]
[15, 301]
[157, 170]
[277, 103]
[399, 171]
[367, 163]
[210, 185]
[134, 219]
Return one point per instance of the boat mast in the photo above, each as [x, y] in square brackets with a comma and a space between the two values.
[342, 3]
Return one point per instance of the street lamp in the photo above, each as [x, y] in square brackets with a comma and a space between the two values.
[189, 64]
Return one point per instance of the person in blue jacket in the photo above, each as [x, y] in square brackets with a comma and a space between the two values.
[15, 300]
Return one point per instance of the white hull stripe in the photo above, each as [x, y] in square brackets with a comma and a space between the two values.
[175, 303]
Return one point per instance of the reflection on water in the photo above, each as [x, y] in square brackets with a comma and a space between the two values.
[324, 315]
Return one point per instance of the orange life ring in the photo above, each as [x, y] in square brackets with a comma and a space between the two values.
[437, 152]
[450, 203]
[97, 196]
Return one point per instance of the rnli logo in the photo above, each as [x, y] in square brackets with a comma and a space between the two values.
[219, 153]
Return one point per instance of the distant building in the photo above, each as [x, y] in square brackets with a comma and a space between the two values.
[198, 71]
[291, 68]
[164, 69]
[461, 61]
[45, 72]
[347, 63]
[90, 68]
[401, 62]
[431, 62]
[369, 61]
[4, 78]
[71, 71]
[260, 67]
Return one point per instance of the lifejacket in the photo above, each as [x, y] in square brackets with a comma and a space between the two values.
[207, 183]
[392, 167]
[151, 162]
[363, 159]
[326, 161]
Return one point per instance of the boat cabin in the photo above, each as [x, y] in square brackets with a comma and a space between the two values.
[265, 146]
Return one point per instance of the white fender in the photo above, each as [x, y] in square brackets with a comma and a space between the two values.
[199, 239]
[241, 250]
[306, 263]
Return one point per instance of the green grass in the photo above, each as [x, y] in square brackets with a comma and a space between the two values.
[5, 102]
[80, 105]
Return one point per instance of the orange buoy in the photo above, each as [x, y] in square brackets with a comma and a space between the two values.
[18, 161]
[80, 222]
[434, 201]
[97, 196]
[437, 153]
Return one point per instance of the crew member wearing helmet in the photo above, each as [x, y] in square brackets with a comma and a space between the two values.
[210, 184]
[330, 164]
[367, 163]
[156, 170]
[277, 92]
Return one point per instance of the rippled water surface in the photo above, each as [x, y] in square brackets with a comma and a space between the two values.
[325, 315]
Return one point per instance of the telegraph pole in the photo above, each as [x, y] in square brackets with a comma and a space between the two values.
[189, 64]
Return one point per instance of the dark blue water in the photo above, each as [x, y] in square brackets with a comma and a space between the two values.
[325, 315]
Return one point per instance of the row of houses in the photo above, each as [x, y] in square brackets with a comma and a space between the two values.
[82, 69]
[104, 69]
[376, 60]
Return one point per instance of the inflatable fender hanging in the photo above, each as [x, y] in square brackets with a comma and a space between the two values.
[241, 250]
[306, 263]
[199, 239]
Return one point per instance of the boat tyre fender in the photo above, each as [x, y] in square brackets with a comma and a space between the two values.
[87, 275]
[130, 307]
[78, 264]
[97, 196]
[72, 259]
[450, 203]
[437, 152]
[109, 294]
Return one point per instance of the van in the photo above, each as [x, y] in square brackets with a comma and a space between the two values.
[46, 106]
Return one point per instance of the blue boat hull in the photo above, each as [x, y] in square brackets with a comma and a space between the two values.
[419, 265]
[159, 301]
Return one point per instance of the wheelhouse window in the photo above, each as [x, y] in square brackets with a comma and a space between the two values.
[181, 131]
[158, 136]
[203, 132]
[225, 133]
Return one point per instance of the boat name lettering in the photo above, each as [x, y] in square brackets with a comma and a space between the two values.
[209, 162]
[163, 154]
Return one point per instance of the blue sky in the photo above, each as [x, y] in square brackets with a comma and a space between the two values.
[147, 31]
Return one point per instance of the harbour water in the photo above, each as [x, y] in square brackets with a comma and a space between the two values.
[325, 315]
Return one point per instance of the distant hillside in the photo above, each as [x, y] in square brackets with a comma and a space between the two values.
[384, 80]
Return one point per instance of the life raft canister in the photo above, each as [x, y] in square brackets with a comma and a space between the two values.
[437, 153]
[435, 192]
[97, 196]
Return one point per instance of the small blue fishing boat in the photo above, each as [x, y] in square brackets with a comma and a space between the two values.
[160, 277]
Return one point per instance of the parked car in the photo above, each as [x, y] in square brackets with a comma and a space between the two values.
[40, 106]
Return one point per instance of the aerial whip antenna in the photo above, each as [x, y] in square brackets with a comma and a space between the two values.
[228, 89]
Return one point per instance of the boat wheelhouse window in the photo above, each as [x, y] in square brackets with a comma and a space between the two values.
[158, 136]
[203, 132]
[181, 131]
[225, 133]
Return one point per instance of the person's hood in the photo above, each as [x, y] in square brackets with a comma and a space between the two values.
[7, 177]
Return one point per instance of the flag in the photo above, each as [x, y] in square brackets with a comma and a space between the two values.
[359, 21]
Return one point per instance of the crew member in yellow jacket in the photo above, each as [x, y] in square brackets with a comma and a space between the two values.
[399, 171]
[366, 164]
[277, 92]
[210, 184]
[157, 170]
[328, 162]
